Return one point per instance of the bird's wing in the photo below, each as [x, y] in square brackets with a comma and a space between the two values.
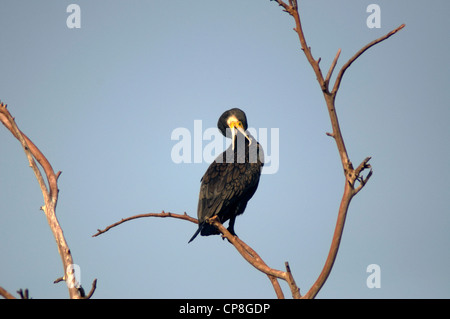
[223, 184]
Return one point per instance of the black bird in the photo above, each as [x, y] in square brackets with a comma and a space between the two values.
[232, 179]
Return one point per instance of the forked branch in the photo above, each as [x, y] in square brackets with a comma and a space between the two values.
[50, 195]
[358, 54]
[351, 175]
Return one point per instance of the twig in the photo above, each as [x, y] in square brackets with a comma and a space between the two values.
[94, 286]
[162, 214]
[364, 165]
[24, 294]
[358, 54]
[294, 289]
[333, 65]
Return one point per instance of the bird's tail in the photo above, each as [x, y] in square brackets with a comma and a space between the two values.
[206, 230]
[200, 227]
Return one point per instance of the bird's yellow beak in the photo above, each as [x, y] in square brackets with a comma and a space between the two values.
[236, 126]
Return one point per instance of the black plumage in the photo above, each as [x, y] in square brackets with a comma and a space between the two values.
[232, 179]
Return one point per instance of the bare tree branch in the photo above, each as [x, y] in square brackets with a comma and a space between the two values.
[245, 250]
[162, 214]
[254, 259]
[50, 195]
[24, 294]
[5, 294]
[29, 148]
[333, 65]
[358, 54]
[351, 175]
[91, 292]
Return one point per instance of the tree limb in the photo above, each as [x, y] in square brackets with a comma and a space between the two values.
[351, 175]
[245, 250]
[162, 214]
[254, 259]
[5, 294]
[50, 195]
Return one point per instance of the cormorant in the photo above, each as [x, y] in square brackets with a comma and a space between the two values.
[232, 179]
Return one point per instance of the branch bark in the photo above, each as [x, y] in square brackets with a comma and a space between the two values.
[50, 195]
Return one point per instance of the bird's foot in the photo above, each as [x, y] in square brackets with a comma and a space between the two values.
[210, 220]
[232, 231]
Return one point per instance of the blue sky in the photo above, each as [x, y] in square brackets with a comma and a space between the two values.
[102, 101]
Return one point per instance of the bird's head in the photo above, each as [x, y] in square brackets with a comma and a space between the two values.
[233, 121]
